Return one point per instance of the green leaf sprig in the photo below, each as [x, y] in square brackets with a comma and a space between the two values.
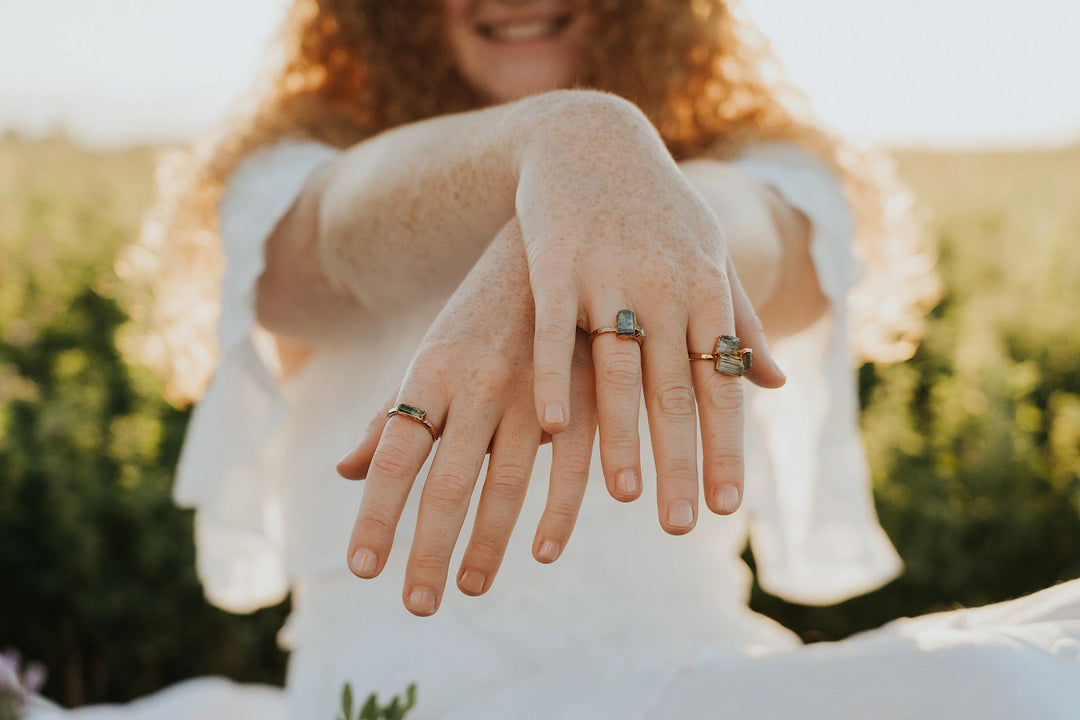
[371, 710]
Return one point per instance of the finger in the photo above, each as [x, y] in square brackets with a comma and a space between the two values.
[720, 405]
[509, 469]
[618, 394]
[669, 401]
[354, 466]
[444, 503]
[402, 449]
[764, 372]
[571, 455]
[553, 350]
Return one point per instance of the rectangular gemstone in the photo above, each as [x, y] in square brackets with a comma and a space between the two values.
[410, 410]
[727, 345]
[747, 359]
[729, 365]
[624, 322]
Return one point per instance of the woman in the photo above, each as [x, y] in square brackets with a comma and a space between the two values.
[419, 209]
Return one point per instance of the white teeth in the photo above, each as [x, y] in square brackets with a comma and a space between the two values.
[524, 31]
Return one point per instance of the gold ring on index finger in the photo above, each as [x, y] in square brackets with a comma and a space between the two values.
[416, 414]
[729, 357]
[625, 327]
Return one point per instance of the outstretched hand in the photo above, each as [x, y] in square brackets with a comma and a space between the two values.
[473, 377]
[618, 226]
[604, 223]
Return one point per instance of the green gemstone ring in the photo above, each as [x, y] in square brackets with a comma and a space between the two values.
[414, 413]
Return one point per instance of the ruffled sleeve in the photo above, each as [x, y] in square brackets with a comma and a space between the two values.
[226, 467]
[813, 529]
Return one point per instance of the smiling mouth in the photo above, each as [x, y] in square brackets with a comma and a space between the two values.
[525, 31]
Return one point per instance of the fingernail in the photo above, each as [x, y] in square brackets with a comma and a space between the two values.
[472, 582]
[680, 513]
[363, 562]
[727, 499]
[626, 482]
[347, 456]
[549, 551]
[422, 601]
[553, 413]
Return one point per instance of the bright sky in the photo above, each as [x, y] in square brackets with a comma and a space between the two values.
[938, 72]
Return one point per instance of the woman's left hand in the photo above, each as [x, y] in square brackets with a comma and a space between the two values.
[473, 376]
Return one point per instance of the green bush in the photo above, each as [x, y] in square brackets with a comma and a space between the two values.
[98, 564]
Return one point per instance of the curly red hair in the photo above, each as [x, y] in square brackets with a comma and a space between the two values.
[349, 69]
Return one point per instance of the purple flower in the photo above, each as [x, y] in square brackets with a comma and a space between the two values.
[17, 685]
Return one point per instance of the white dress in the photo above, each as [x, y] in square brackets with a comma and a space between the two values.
[630, 622]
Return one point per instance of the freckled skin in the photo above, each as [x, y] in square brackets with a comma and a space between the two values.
[589, 214]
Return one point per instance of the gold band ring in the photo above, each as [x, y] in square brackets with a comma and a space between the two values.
[625, 328]
[730, 358]
[414, 413]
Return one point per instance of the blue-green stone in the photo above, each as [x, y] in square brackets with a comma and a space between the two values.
[727, 345]
[624, 322]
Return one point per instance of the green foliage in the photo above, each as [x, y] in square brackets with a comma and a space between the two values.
[98, 563]
[371, 710]
[974, 444]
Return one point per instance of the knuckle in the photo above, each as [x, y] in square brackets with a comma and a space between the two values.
[428, 563]
[723, 395]
[679, 469]
[571, 462]
[621, 370]
[549, 374]
[504, 490]
[377, 522]
[554, 333]
[726, 463]
[486, 545]
[562, 513]
[515, 471]
[713, 277]
[675, 400]
[447, 491]
[620, 439]
[393, 458]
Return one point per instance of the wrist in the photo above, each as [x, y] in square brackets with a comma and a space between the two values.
[579, 149]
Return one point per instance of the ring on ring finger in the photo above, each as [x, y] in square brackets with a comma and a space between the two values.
[729, 357]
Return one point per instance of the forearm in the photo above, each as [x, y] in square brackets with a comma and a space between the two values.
[769, 243]
[401, 218]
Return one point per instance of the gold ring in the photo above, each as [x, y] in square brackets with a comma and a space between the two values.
[730, 359]
[625, 327]
[414, 413]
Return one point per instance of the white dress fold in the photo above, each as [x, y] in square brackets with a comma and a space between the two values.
[630, 622]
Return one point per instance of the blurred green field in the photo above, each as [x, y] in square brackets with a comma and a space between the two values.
[974, 443]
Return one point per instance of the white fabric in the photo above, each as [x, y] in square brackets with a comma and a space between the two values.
[814, 530]
[630, 622]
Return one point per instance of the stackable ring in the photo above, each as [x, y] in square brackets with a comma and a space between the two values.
[414, 413]
[730, 359]
[625, 327]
